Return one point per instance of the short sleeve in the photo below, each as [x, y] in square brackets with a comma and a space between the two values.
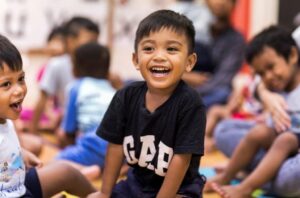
[113, 123]
[69, 122]
[49, 79]
[191, 130]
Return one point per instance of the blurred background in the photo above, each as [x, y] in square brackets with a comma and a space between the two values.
[27, 24]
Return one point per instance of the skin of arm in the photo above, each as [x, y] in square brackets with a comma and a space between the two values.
[113, 162]
[30, 159]
[276, 105]
[38, 110]
[175, 174]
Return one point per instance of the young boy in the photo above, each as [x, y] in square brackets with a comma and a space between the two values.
[15, 181]
[158, 124]
[274, 56]
[88, 99]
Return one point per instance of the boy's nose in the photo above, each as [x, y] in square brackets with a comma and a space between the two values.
[19, 90]
[159, 55]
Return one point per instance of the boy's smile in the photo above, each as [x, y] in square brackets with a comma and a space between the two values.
[162, 58]
[276, 72]
[12, 92]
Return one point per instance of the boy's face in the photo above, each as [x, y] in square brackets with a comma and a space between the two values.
[162, 58]
[275, 71]
[84, 36]
[12, 93]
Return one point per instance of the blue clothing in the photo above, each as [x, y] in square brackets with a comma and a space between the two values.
[132, 188]
[88, 100]
[33, 185]
[88, 150]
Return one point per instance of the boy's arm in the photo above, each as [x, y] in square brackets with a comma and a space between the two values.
[276, 105]
[112, 166]
[175, 174]
[30, 159]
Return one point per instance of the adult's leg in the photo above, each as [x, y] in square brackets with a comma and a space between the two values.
[60, 176]
[284, 145]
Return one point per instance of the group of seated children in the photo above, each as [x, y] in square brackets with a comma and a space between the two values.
[157, 126]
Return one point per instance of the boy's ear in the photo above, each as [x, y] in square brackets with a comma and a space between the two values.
[192, 58]
[294, 56]
[135, 61]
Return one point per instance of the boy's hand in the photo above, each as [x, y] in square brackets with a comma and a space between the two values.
[277, 106]
[31, 160]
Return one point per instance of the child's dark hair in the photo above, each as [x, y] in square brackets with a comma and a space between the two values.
[9, 55]
[275, 37]
[57, 31]
[73, 26]
[166, 19]
[91, 59]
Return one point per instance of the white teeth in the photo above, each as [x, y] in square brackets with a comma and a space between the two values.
[160, 69]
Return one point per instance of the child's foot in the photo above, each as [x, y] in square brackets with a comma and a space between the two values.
[230, 191]
[218, 179]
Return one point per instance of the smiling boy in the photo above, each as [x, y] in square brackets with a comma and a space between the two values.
[158, 124]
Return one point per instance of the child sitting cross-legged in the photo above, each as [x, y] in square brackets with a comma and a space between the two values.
[157, 124]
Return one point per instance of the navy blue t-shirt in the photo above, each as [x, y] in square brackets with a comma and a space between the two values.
[150, 139]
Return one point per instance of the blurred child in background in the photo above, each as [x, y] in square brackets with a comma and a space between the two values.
[88, 99]
[58, 72]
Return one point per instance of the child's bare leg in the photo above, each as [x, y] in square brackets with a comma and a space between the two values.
[90, 172]
[60, 176]
[283, 146]
[214, 115]
[259, 137]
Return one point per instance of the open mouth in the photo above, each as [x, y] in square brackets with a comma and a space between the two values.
[16, 106]
[160, 71]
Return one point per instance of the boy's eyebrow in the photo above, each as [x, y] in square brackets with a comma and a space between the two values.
[168, 41]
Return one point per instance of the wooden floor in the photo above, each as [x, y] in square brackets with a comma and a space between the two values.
[49, 151]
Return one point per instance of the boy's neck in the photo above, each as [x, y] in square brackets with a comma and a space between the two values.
[154, 99]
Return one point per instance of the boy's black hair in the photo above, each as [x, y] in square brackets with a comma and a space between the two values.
[57, 31]
[166, 19]
[9, 55]
[275, 37]
[73, 26]
[91, 59]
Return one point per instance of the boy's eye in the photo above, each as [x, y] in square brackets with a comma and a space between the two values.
[148, 49]
[5, 84]
[172, 49]
[22, 79]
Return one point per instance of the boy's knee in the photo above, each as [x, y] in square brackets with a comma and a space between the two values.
[258, 134]
[285, 140]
